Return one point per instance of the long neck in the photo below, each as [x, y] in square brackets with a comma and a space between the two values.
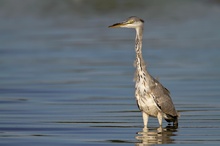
[140, 64]
[138, 39]
[141, 72]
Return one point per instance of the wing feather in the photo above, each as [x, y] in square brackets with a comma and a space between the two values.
[162, 98]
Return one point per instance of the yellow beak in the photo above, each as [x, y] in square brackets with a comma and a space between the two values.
[116, 25]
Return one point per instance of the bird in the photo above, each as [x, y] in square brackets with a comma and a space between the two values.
[152, 98]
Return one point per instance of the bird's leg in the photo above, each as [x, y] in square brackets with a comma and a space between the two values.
[145, 119]
[159, 130]
[160, 118]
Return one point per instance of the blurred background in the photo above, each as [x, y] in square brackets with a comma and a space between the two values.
[66, 78]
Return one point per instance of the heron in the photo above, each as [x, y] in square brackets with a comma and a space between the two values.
[152, 98]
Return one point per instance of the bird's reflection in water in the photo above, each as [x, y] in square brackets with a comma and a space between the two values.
[156, 136]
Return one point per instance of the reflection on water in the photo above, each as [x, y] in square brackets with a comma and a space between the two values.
[69, 81]
[156, 136]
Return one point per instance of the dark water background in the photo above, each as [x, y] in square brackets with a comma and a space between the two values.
[66, 79]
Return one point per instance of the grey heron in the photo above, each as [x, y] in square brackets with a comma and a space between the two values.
[153, 99]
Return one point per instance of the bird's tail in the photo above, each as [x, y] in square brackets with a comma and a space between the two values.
[175, 121]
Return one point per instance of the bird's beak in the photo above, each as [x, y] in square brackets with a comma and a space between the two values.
[117, 25]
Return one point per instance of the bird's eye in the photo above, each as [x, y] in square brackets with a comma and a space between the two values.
[130, 21]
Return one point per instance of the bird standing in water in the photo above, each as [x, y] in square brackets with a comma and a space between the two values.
[153, 99]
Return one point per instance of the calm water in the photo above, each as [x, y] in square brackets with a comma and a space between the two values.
[72, 83]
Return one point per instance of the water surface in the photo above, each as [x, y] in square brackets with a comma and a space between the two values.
[72, 84]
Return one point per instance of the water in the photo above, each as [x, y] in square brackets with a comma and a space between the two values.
[70, 83]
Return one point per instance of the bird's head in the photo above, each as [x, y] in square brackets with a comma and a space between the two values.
[131, 22]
